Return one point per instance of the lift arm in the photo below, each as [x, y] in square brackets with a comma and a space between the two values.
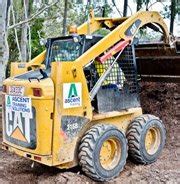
[126, 30]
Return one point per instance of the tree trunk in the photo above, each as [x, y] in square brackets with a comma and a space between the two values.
[24, 33]
[4, 50]
[147, 4]
[139, 4]
[65, 17]
[16, 33]
[173, 12]
[125, 8]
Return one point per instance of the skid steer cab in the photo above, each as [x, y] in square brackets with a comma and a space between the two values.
[84, 108]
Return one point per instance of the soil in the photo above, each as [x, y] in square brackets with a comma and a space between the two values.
[160, 99]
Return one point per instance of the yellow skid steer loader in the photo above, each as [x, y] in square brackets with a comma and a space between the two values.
[77, 103]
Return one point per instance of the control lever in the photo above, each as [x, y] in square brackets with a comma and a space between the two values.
[43, 73]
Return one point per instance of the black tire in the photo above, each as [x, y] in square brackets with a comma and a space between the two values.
[89, 152]
[136, 135]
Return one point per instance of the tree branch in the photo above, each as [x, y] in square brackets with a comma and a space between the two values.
[32, 17]
[15, 32]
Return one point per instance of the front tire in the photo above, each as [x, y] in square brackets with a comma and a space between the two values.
[103, 152]
[146, 138]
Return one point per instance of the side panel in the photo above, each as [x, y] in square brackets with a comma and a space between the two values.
[71, 123]
[120, 119]
[72, 109]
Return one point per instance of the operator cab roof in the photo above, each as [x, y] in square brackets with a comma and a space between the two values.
[73, 47]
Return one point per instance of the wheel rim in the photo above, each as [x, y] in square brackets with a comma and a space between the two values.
[110, 153]
[152, 140]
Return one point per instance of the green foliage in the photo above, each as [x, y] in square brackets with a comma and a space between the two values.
[49, 23]
[166, 13]
[140, 3]
[103, 32]
[14, 55]
[35, 26]
[148, 35]
[37, 48]
[77, 14]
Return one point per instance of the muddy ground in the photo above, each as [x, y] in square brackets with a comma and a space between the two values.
[160, 99]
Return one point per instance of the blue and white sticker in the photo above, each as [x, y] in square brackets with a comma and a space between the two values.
[18, 113]
[16, 90]
[72, 95]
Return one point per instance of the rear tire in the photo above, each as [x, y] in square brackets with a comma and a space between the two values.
[146, 138]
[103, 152]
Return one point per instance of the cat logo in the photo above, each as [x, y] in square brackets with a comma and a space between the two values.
[133, 29]
[72, 95]
[18, 114]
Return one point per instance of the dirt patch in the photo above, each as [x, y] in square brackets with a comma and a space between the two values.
[163, 100]
[157, 98]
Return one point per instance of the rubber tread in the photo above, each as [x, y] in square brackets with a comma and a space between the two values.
[87, 145]
[134, 135]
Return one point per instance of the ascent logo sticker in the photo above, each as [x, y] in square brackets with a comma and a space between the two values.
[72, 95]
